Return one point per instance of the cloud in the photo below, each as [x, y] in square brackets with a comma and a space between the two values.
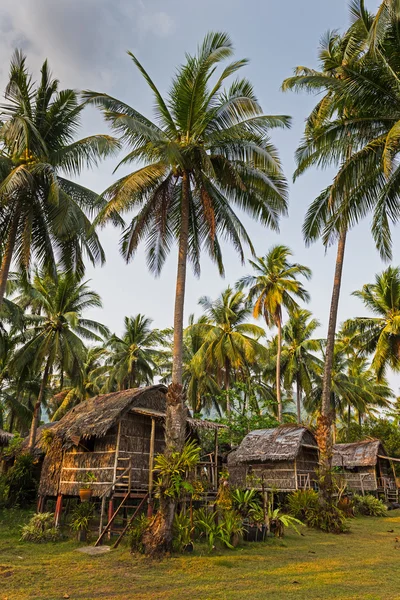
[84, 40]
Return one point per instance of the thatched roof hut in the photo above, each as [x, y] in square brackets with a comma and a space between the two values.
[284, 458]
[103, 436]
[365, 465]
[5, 438]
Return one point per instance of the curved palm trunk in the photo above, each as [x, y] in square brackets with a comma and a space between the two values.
[278, 370]
[298, 399]
[36, 410]
[158, 537]
[324, 422]
[227, 387]
[8, 254]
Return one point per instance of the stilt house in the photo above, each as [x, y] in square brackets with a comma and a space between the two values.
[365, 466]
[282, 459]
[114, 438]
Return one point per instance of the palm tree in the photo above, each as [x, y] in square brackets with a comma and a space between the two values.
[328, 216]
[86, 380]
[132, 357]
[271, 290]
[42, 213]
[55, 330]
[231, 345]
[299, 362]
[208, 151]
[380, 335]
[354, 385]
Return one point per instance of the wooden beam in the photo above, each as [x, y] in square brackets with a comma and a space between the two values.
[151, 455]
[117, 450]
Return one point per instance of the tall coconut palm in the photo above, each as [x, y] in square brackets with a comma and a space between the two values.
[299, 360]
[208, 152]
[328, 215]
[43, 214]
[56, 330]
[273, 289]
[380, 335]
[132, 357]
[230, 344]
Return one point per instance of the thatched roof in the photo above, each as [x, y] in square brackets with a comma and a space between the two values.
[282, 443]
[96, 416]
[5, 438]
[38, 449]
[357, 454]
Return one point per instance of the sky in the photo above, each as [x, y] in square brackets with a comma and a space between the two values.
[86, 43]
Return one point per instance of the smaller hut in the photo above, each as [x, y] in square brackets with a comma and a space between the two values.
[365, 466]
[282, 459]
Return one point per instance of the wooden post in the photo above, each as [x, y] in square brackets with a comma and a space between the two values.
[362, 484]
[117, 452]
[58, 510]
[110, 514]
[40, 504]
[216, 459]
[295, 475]
[102, 511]
[151, 466]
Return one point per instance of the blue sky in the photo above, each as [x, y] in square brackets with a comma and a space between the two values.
[86, 42]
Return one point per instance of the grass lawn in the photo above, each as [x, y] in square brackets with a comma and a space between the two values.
[363, 564]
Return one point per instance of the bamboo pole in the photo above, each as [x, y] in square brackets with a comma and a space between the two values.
[151, 466]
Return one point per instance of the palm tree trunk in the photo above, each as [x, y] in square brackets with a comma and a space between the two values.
[348, 421]
[298, 399]
[278, 370]
[8, 254]
[157, 539]
[324, 422]
[228, 402]
[36, 410]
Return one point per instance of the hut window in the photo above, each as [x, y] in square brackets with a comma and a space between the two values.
[87, 444]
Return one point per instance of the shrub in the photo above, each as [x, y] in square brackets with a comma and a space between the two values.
[182, 531]
[81, 516]
[245, 501]
[301, 501]
[230, 527]
[328, 518]
[369, 506]
[136, 531]
[40, 529]
[21, 481]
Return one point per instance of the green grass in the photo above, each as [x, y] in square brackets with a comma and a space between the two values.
[363, 564]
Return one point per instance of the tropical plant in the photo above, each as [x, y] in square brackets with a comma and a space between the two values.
[21, 481]
[230, 344]
[81, 516]
[230, 528]
[42, 213]
[132, 357]
[40, 529]
[53, 338]
[209, 151]
[136, 531]
[245, 500]
[183, 530]
[278, 521]
[328, 518]
[368, 505]
[273, 289]
[300, 502]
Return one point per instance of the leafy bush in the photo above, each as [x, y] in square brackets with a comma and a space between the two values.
[231, 526]
[182, 531]
[40, 529]
[21, 481]
[300, 502]
[81, 516]
[369, 506]
[136, 531]
[245, 501]
[328, 518]
[278, 521]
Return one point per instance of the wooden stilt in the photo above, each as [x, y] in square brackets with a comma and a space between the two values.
[41, 503]
[110, 514]
[216, 459]
[58, 511]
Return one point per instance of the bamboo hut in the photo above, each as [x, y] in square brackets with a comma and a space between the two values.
[366, 467]
[282, 459]
[114, 437]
